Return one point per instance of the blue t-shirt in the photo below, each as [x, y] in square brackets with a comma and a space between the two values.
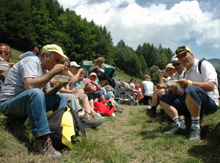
[27, 54]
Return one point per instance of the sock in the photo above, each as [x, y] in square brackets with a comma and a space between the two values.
[195, 122]
[153, 108]
[178, 121]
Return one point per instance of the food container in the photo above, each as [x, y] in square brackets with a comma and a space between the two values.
[61, 78]
[4, 66]
[172, 83]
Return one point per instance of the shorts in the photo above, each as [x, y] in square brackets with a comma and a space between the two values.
[207, 104]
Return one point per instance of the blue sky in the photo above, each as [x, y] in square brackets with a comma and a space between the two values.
[171, 23]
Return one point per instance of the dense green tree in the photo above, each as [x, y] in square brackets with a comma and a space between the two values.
[17, 23]
[154, 74]
[32, 21]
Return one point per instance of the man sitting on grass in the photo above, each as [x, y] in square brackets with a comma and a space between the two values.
[26, 92]
[200, 94]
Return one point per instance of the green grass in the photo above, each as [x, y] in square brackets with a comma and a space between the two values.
[131, 136]
[15, 54]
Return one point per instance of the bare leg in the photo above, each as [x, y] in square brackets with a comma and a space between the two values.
[192, 106]
[158, 93]
[170, 110]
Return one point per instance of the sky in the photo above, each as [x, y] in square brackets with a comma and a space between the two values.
[170, 23]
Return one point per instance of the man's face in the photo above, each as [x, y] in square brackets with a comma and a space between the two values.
[36, 50]
[74, 69]
[178, 67]
[5, 53]
[186, 59]
[51, 61]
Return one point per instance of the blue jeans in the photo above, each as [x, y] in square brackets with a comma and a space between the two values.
[35, 104]
[108, 94]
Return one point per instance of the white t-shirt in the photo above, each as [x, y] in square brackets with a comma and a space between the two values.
[148, 87]
[207, 74]
[132, 86]
[28, 67]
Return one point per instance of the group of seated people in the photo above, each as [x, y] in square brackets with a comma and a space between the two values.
[30, 89]
[186, 92]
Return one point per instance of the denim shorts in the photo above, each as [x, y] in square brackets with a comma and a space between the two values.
[207, 104]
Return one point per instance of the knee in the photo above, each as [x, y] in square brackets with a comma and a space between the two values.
[36, 92]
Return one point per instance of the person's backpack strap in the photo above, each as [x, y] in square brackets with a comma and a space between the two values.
[78, 123]
[199, 65]
[217, 72]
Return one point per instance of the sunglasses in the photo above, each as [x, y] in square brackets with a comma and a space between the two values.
[176, 64]
[67, 66]
[6, 53]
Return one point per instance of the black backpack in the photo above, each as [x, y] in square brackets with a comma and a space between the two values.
[217, 72]
[54, 121]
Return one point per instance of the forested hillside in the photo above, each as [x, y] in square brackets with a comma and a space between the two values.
[24, 22]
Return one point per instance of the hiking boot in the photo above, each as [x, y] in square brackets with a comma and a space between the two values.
[151, 113]
[44, 146]
[176, 131]
[195, 134]
[89, 123]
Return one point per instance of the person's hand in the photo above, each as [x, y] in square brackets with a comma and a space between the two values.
[11, 64]
[183, 83]
[160, 73]
[58, 69]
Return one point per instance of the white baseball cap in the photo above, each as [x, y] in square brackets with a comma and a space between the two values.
[73, 63]
[93, 74]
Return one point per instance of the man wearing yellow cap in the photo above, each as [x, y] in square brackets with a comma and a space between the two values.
[199, 95]
[26, 91]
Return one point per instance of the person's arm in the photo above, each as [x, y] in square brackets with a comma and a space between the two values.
[92, 68]
[160, 74]
[97, 85]
[41, 81]
[77, 78]
[55, 89]
[142, 88]
[206, 86]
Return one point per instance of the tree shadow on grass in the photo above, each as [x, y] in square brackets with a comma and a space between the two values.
[20, 129]
[210, 151]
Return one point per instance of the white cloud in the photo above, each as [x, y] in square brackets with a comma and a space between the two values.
[154, 24]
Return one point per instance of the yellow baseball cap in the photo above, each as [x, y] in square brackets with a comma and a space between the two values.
[182, 49]
[54, 48]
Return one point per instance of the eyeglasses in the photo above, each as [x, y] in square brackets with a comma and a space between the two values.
[6, 53]
[176, 64]
[67, 66]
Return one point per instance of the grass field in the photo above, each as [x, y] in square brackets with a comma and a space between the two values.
[131, 136]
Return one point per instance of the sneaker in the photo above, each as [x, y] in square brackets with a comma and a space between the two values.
[176, 131]
[113, 114]
[90, 123]
[151, 113]
[195, 134]
[44, 146]
[98, 116]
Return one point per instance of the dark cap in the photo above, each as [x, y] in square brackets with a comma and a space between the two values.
[181, 50]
